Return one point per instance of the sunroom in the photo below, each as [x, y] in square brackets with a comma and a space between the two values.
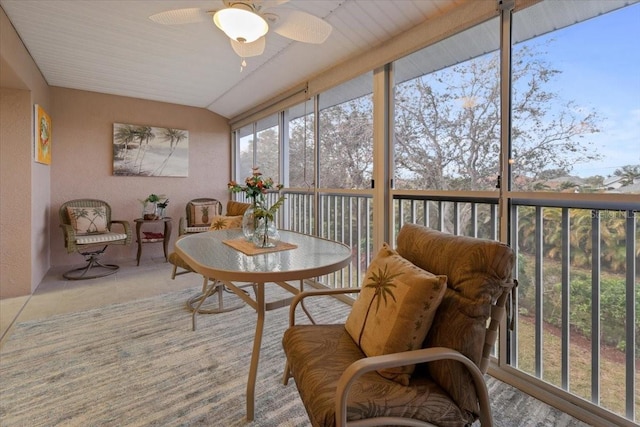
[510, 120]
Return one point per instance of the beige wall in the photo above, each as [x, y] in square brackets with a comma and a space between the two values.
[15, 192]
[82, 161]
[82, 133]
[25, 185]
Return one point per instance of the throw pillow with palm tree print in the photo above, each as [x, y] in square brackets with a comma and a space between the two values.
[394, 309]
[220, 222]
[88, 219]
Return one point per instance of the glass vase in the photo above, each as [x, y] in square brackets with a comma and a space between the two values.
[150, 211]
[249, 222]
[266, 234]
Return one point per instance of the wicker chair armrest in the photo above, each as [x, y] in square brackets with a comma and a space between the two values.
[125, 224]
[69, 237]
[368, 364]
[127, 229]
[299, 299]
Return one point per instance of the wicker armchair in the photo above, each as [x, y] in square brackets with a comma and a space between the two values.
[198, 215]
[87, 228]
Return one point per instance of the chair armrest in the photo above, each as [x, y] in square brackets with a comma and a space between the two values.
[125, 225]
[127, 229]
[368, 364]
[299, 298]
[69, 237]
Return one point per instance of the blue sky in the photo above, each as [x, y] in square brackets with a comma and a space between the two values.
[600, 64]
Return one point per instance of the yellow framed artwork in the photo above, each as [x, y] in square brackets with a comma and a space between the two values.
[42, 135]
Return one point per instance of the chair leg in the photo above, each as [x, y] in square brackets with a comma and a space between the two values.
[287, 373]
[93, 269]
[195, 302]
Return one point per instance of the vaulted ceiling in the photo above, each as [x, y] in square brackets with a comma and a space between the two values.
[113, 47]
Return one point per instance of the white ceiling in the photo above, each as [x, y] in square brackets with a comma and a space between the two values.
[112, 47]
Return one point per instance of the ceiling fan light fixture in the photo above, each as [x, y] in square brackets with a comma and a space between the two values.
[241, 25]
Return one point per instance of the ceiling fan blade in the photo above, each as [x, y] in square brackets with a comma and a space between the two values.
[303, 27]
[266, 4]
[180, 16]
[246, 50]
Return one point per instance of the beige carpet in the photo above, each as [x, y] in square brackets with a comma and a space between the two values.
[140, 364]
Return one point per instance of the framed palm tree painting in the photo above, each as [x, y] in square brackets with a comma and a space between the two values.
[42, 135]
[150, 151]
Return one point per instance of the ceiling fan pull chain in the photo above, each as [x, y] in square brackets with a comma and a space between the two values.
[243, 64]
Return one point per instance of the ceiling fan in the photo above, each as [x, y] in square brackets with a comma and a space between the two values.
[246, 23]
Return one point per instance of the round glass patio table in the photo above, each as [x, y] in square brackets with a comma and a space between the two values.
[215, 255]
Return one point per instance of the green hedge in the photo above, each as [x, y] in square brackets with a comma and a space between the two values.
[612, 303]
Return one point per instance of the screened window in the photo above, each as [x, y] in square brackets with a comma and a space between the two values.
[301, 145]
[244, 138]
[576, 98]
[268, 147]
[346, 134]
[447, 113]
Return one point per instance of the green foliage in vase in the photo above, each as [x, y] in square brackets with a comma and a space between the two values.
[262, 211]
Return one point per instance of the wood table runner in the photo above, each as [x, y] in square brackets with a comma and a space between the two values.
[248, 248]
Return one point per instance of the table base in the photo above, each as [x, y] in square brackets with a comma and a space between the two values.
[261, 306]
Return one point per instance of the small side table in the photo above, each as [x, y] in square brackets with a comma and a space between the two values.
[165, 238]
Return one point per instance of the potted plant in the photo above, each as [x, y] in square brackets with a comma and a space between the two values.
[150, 206]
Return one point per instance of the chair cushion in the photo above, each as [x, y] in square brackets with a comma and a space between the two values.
[221, 222]
[476, 270]
[89, 239]
[202, 213]
[176, 260]
[88, 219]
[236, 208]
[394, 309]
[318, 357]
[196, 229]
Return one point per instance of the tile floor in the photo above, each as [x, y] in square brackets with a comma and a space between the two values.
[56, 295]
